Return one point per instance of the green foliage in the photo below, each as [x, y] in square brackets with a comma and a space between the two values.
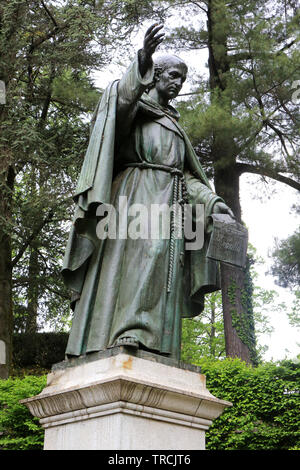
[203, 336]
[243, 321]
[19, 430]
[286, 269]
[265, 411]
[286, 265]
[294, 313]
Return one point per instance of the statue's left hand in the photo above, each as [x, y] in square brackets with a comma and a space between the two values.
[221, 208]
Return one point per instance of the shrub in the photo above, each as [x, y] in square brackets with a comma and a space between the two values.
[265, 411]
[19, 430]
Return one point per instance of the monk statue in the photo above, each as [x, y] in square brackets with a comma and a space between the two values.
[134, 291]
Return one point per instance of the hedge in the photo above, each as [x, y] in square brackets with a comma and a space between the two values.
[265, 412]
[39, 349]
[19, 430]
[264, 415]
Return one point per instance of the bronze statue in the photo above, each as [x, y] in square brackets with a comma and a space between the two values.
[134, 291]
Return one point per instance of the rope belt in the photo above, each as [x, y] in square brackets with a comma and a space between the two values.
[156, 166]
[180, 197]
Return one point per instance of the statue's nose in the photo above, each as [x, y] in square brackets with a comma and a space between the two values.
[177, 82]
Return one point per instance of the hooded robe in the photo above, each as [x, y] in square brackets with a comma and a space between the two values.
[120, 285]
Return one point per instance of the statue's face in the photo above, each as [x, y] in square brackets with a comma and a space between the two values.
[171, 80]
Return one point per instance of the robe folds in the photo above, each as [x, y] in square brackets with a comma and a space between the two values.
[119, 285]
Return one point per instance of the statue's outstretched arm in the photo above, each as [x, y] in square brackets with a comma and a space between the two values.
[136, 80]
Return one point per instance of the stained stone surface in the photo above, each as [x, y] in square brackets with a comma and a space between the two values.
[75, 361]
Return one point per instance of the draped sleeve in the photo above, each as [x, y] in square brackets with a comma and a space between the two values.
[131, 87]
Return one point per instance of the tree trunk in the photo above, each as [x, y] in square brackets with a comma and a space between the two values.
[237, 337]
[33, 271]
[6, 312]
[237, 324]
[32, 293]
[212, 335]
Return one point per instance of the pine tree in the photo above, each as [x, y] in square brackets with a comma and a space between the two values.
[244, 119]
[48, 52]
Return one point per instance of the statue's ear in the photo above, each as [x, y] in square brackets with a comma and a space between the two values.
[157, 71]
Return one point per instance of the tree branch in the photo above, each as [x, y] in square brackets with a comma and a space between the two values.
[49, 14]
[265, 118]
[64, 103]
[32, 237]
[270, 173]
[199, 6]
[191, 93]
[57, 292]
[287, 46]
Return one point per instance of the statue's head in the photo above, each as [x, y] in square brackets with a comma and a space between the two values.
[169, 75]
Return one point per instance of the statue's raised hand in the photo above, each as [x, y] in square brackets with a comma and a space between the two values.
[152, 39]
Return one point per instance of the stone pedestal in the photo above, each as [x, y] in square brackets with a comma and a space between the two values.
[125, 401]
